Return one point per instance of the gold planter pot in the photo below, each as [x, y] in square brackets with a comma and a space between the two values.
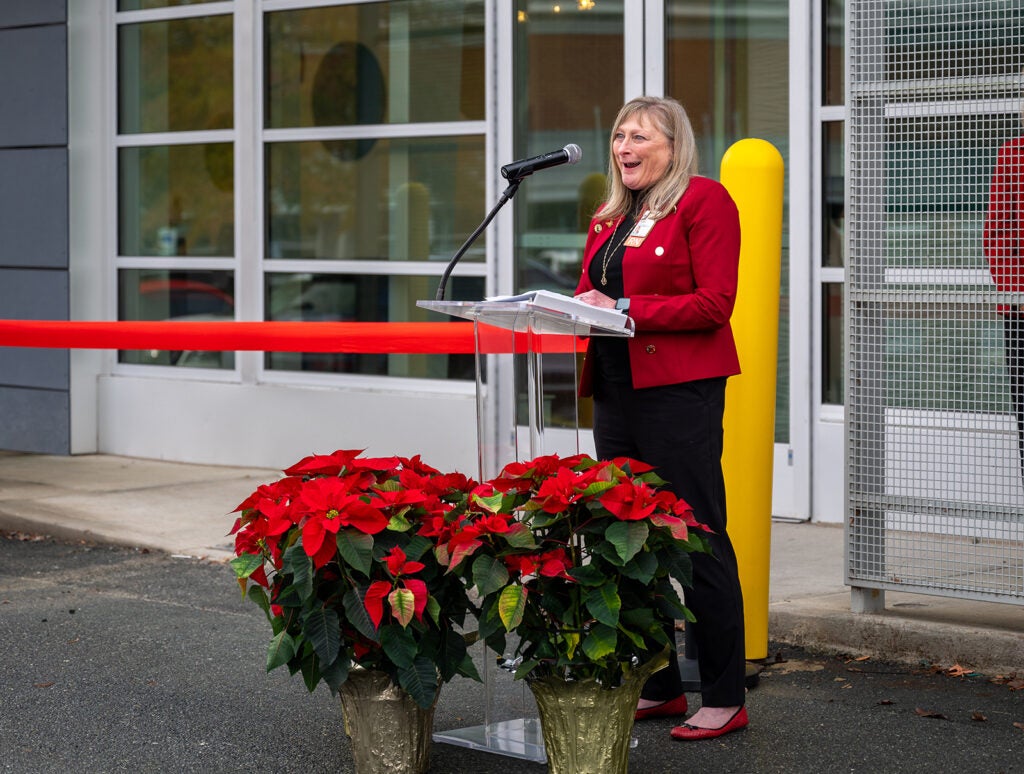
[389, 732]
[587, 727]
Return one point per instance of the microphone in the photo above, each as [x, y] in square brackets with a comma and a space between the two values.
[570, 154]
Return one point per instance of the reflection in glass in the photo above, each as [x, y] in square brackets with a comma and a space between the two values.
[834, 52]
[553, 51]
[833, 193]
[157, 294]
[366, 298]
[403, 200]
[374, 63]
[930, 223]
[728, 64]
[832, 352]
[553, 110]
[175, 75]
[176, 200]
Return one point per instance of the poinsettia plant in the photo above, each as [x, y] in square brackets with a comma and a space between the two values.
[341, 555]
[576, 558]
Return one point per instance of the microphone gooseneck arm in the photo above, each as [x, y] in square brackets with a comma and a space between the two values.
[507, 194]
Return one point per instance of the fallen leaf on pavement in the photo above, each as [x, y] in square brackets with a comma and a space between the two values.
[1019, 725]
[930, 714]
[41, 685]
[978, 716]
[886, 702]
[958, 671]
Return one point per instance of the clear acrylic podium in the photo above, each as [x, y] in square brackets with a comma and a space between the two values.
[508, 332]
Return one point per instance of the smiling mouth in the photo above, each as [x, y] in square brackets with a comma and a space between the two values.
[631, 164]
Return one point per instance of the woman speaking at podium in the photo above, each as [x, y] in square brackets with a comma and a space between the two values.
[664, 248]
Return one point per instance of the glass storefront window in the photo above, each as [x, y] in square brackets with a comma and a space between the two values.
[159, 294]
[553, 51]
[401, 199]
[365, 298]
[728, 64]
[834, 52]
[833, 206]
[144, 5]
[176, 200]
[175, 75]
[375, 63]
[551, 111]
[832, 353]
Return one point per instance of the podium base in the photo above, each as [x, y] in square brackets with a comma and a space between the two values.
[519, 738]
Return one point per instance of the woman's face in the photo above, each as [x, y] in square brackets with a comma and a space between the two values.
[642, 152]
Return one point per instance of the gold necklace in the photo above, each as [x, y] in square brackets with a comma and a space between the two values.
[609, 254]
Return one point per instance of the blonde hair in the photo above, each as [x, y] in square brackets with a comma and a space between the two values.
[668, 117]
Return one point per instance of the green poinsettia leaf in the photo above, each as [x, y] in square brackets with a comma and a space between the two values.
[628, 537]
[600, 642]
[467, 668]
[356, 549]
[668, 601]
[512, 605]
[355, 613]
[417, 546]
[403, 605]
[525, 668]
[419, 680]
[258, 594]
[310, 672]
[604, 604]
[323, 629]
[520, 536]
[281, 650]
[398, 644]
[642, 567]
[678, 564]
[399, 523]
[587, 575]
[246, 564]
[335, 674]
[635, 638]
[597, 487]
[434, 610]
[296, 563]
[492, 503]
[489, 574]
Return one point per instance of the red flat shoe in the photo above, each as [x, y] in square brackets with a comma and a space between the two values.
[689, 733]
[670, 708]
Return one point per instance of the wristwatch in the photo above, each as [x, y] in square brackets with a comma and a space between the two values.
[622, 305]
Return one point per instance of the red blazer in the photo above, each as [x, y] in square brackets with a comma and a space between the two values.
[681, 286]
[1003, 234]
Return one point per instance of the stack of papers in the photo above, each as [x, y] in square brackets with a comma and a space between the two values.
[556, 302]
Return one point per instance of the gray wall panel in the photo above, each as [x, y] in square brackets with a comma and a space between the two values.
[18, 13]
[33, 294]
[43, 368]
[34, 420]
[34, 86]
[34, 207]
[27, 294]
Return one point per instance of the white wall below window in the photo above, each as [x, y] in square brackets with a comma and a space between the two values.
[273, 426]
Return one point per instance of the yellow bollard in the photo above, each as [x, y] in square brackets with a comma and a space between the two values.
[752, 171]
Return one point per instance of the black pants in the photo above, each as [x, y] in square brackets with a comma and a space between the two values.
[1013, 340]
[678, 429]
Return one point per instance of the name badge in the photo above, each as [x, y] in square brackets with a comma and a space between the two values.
[640, 231]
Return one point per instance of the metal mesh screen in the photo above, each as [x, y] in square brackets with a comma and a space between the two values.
[935, 273]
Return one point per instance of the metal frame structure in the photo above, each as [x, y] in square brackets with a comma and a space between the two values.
[935, 502]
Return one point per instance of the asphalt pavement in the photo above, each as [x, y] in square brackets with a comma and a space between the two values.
[132, 660]
[126, 647]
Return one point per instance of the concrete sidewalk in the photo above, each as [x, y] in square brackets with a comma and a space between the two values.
[186, 509]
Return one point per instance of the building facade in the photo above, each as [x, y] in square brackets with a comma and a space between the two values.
[322, 160]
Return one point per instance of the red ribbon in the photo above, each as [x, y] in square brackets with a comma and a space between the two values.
[354, 337]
